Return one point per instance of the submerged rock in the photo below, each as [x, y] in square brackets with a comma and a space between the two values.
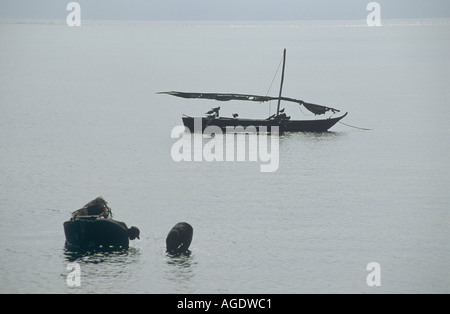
[179, 238]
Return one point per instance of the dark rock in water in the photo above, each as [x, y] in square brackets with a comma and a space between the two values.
[179, 238]
[98, 233]
[92, 227]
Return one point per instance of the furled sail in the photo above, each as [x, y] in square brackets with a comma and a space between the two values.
[220, 97]
[316, 109]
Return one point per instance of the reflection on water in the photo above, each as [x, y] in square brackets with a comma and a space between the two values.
[110, 255]
[180, 271]
[181, 260]
[105, 269]
[313, 135]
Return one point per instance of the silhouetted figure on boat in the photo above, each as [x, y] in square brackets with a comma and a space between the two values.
[214, 111]
[179, 238]
[283, 117]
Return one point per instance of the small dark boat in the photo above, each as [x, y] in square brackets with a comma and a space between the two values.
[322, 125]
[92, 227]
[179, 238]
[280, 119]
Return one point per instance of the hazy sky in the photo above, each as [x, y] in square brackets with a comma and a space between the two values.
[224, 9]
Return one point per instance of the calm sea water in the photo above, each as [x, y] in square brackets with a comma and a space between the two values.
[80, 117]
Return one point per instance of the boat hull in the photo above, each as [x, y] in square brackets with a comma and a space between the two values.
[194, 125]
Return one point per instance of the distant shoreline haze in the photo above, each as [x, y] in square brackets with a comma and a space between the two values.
[219, 10]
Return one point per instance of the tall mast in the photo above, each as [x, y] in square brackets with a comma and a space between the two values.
[282, 81]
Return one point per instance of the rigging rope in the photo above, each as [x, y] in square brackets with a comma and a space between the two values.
[271, 84]
[273, 80]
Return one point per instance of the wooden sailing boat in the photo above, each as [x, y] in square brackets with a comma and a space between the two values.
[279, 119]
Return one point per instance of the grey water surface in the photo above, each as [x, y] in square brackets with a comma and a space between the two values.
[80, 117]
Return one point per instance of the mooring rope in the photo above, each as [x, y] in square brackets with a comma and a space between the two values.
[352, 126]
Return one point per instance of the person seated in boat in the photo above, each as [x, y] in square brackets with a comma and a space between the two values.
[283, 116]
[98, 207]
[214, 112]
